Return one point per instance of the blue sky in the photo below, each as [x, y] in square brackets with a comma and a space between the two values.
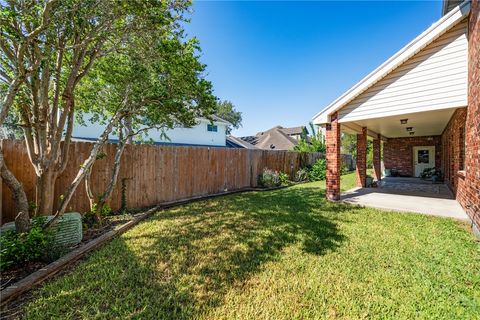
[282, 62]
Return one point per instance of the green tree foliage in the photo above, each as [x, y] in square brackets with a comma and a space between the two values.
[349, 146]
[313, 143]
[318, 171]
[153, 82]
[49, 47]
[156, 82]
[61, 41]
[226, 110]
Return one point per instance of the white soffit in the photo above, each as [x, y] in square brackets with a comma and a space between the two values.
[428, 36]
[429, 123]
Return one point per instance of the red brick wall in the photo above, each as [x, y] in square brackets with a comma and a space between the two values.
[398, 153]
[469, 193]
[453, 141]
[466, 183]
[333, 158]
[361, 163]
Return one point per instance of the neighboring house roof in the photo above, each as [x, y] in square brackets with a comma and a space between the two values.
[276, 138]
[250, 139]
[217, 119]
[295, 130]
[427, 37]
[234, 142]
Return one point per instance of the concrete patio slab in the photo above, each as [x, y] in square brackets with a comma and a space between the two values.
[415, 186]
[405, 201]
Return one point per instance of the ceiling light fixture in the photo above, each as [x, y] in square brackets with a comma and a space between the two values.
[403, 121]
[412, 133]
[409, 128]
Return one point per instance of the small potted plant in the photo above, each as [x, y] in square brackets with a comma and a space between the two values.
[427, 173]
[368, 181]
[436, 176]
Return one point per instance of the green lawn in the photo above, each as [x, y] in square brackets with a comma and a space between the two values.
[348, 181]
[285, 254]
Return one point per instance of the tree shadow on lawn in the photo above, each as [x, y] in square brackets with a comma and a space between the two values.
[181, 262]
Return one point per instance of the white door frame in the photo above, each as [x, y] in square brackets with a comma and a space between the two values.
[419, 167]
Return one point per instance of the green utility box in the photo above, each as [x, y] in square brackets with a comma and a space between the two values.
[67, 230]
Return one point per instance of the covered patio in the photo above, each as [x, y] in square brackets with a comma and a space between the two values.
[417, 110]
[398, 150]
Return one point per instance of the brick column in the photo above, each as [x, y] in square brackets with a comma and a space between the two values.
[377, 171]
[333, 158]
[362, 158]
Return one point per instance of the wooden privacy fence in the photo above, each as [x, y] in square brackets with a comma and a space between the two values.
[154, 174]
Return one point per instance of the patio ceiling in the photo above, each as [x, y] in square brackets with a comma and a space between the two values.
[428, 123]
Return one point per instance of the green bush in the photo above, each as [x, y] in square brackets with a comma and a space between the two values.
[318, 170]
[301, 175]
[32, 246]
[88, 220]
[283, 177]
[344, 170]
[270, 178]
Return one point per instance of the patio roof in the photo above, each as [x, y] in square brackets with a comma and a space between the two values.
[428, 123]
[439, 28]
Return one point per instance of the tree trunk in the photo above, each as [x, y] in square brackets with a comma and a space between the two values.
[113, 179]
[18, 194]
[84, 168]
[22, 222]
[45, 192]
[88, 189]
[129, 130]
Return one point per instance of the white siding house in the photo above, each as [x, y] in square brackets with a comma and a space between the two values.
[204, 133]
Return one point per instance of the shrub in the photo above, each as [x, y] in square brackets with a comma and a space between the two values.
[318, 170]
[270, 178]
[301, 175]
[32, 246]
[88, 220]
[283, 177]
[344, 170]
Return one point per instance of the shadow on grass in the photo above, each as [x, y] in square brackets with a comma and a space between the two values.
[181, 262]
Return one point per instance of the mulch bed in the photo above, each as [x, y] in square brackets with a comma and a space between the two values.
[12, 275]
[16, 273]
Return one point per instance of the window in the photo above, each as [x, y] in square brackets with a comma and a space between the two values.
[462, 149]
[212, 128]
[423, 156]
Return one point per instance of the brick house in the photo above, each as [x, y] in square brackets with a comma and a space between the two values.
[423, 105]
